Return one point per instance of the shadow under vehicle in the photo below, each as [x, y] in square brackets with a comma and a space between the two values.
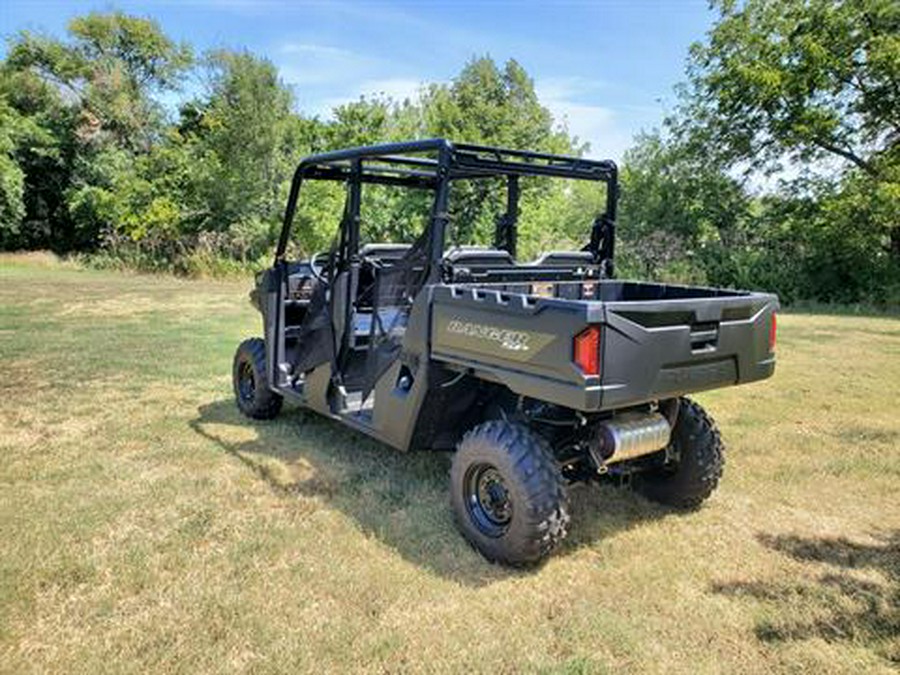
[538, 374]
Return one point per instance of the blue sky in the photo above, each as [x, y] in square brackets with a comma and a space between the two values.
[605, 68]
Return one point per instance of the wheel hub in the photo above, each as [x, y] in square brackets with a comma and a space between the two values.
[246, 382]
[488, 499]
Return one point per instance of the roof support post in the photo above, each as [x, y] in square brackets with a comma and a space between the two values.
[439, 213]
[505, 234]
[603, 234]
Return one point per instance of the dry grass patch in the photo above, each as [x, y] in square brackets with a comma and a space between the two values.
[32, 259]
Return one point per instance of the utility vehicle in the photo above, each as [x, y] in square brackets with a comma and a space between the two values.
[538, 373]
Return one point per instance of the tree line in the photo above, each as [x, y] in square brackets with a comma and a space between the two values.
[800, 95]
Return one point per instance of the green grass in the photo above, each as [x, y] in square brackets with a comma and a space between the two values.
[147, 527]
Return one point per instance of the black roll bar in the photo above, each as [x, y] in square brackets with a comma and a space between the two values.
[402, 164]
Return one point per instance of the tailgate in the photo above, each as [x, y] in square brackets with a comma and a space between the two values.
[665, 348]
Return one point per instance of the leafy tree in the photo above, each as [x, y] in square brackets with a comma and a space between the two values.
[488, 105]
[366, 121]
[38, 144]
[680, 217]
[83, 99]
[804, 79]
[109, 69]
[558, 217]
[248, 139]
[214, 185]
[814, 78]
[388, 213]
[12, 178]
[88, 156]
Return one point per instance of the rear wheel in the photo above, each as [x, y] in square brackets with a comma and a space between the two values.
[696, 464]
[251, 382]
[508, 495]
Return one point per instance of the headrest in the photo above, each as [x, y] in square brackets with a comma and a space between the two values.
[390, 251]
[477, 255]
[565, 258]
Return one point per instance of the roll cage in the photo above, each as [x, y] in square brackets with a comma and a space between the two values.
[433, 165]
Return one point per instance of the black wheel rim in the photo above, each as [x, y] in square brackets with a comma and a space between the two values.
[488, 500]
[246, 382]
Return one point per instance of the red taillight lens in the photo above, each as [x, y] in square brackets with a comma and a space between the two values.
[773, 328]
[586, 346]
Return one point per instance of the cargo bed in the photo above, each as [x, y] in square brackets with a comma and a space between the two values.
[656, 340]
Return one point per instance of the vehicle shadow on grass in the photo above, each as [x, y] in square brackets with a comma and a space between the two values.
[844, 603]
[399, 498]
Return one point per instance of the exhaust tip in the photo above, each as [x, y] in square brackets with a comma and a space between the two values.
[628, 436]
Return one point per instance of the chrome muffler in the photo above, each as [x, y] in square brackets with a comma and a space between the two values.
[628, 436]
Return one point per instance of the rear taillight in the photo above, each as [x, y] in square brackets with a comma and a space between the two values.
[586, 347]
[773, 329]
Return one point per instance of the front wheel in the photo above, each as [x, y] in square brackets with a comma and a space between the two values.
[508, 495]
[251, 383]
[696, 462]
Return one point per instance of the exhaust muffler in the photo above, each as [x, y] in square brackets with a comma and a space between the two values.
[628, 436]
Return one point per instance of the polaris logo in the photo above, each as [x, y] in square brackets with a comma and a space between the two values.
[513, 340]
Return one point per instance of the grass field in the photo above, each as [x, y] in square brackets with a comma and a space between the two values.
[146, 527]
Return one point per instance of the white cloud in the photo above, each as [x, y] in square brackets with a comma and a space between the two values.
[568, 87]
[600, 126]
[314, 50]
[324, 76]
[306, 64]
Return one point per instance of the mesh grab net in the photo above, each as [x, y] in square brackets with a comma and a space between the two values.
[392, 294]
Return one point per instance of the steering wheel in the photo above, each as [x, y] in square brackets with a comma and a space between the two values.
[318, 268]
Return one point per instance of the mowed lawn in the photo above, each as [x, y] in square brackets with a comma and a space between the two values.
[146, 527]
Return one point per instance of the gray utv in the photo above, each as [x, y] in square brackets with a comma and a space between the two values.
[537, 374]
